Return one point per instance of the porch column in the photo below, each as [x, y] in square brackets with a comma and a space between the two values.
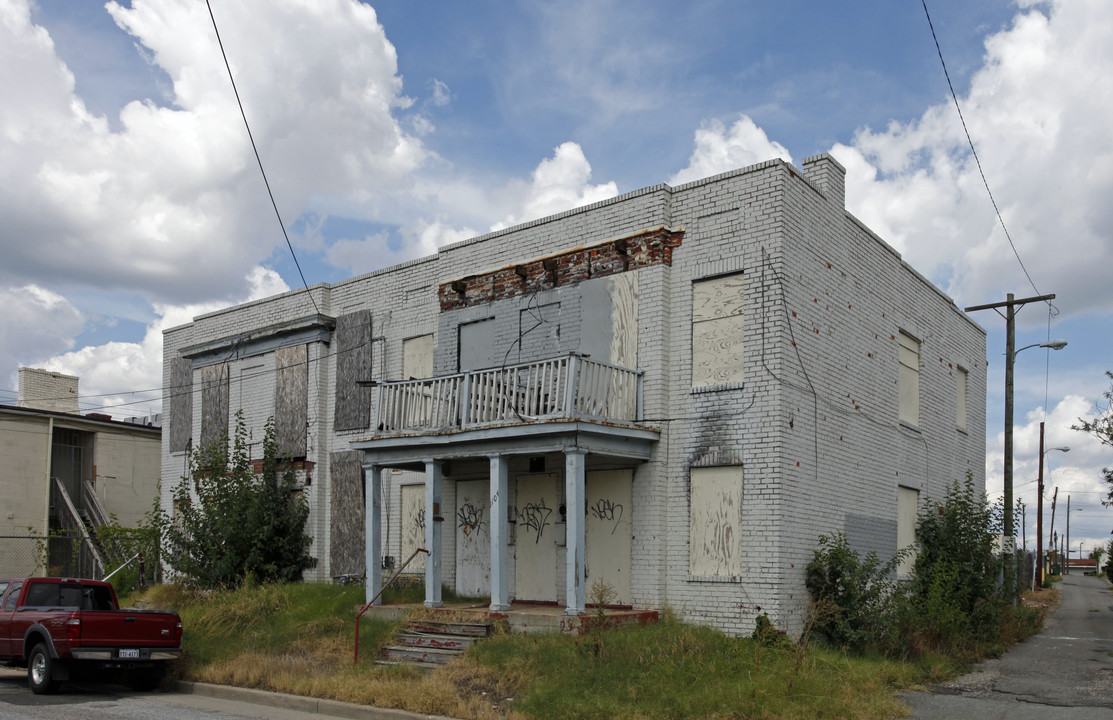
[574, 500]
[373, 532]
[433, 521]
[500, 552]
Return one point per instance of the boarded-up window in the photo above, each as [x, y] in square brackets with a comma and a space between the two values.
[717, 327]
[909, 380]
[961, 378]
[214, 404]
[477, 346]
[417, 357]
[291, 400]
[181, 404]
[352, 344]
[715, 522]
[908, 505]
[347, 552]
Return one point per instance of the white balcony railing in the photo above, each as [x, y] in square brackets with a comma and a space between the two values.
[561, 388]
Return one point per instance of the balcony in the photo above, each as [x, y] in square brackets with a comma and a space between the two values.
[570, 387]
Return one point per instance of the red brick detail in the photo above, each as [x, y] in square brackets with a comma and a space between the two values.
[647, 249]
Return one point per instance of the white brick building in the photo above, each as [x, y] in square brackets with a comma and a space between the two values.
[713, 374]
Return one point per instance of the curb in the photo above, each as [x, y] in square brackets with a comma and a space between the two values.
[300, 703]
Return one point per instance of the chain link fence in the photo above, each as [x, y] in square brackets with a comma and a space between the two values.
[61, 554]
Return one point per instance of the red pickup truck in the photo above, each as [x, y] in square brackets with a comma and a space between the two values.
[56, 627]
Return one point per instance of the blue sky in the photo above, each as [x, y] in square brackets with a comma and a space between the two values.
[132, 201]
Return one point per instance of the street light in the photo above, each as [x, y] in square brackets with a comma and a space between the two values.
[1010, 359]
[1011, 304]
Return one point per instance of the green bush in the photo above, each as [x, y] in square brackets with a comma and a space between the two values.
[950, 604]
[851, 597]
[231, 524]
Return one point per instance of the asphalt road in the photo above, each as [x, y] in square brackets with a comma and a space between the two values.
[1064, 672]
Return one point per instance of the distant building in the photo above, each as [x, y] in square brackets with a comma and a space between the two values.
[64, 473]
[674, 392]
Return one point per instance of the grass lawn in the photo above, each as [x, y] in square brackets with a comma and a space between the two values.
[299, 639]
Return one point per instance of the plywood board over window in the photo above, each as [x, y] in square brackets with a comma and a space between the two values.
[180, 416]
[214, 403]
[961, 378]
[908, 507]
[717, 330]
[417, 357]
[715, 522]
[347, 549]
[909, 381]
[351, 342]
[291, 400]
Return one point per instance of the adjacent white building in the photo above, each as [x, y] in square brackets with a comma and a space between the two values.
[673, 392]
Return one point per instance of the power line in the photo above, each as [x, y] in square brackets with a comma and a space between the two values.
[977, 160]
[258, 159]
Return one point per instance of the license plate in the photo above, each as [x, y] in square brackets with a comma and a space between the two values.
[129, 654]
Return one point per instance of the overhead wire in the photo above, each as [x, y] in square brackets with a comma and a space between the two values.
[259, 159]
[974, 152]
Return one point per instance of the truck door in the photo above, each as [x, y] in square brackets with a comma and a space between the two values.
[7, 609]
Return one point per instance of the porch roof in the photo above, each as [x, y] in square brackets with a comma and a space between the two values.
[520, 438]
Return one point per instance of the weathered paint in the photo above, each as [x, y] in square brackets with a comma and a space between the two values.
[715, 525]
[353, 348]
[291, 400]
[413, 526]
[473, 539]
[717, 331]
[609, 528]
[346, 551]
[214, 403]
[536, 513]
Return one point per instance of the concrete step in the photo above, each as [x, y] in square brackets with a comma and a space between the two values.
[434, 640]
[419, 655]
[450, 628]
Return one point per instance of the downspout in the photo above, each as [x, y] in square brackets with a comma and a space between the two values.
[46, 480]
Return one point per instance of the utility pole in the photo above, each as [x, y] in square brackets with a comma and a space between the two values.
[1039, 519]
[1051, 534]
[1010, 305]
[1067, 538]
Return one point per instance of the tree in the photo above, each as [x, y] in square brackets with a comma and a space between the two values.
[1101, 427]
[230, 523]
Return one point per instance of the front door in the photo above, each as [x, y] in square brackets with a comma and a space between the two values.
[413, 526]
[609, 531]
[473, 539]
[536, 514]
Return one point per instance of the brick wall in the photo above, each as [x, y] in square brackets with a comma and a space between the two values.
[814, 426]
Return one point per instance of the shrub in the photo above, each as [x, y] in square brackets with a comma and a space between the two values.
[851, 596]
[231, 524]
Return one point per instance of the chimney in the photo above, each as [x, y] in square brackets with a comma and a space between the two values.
[45, 390]
[829, 176]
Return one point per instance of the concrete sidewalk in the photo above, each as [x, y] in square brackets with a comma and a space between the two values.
[1066, 671]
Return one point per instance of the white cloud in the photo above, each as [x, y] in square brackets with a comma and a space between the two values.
[719, 149]
[124, 378]
[1076, 473]
[175, 194]
[36, 323]
[1031, 110]
[558, 183]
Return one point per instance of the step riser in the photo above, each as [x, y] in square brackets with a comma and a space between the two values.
[421, 641]
[417, 656]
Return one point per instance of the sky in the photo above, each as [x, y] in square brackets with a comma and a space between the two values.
[132, 200]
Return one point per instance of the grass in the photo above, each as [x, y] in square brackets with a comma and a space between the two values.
[299, 639]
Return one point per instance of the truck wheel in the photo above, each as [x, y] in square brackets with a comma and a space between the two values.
[40, 671]
[145, 679]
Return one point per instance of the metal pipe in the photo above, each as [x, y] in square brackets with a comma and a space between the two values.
[355, 658]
